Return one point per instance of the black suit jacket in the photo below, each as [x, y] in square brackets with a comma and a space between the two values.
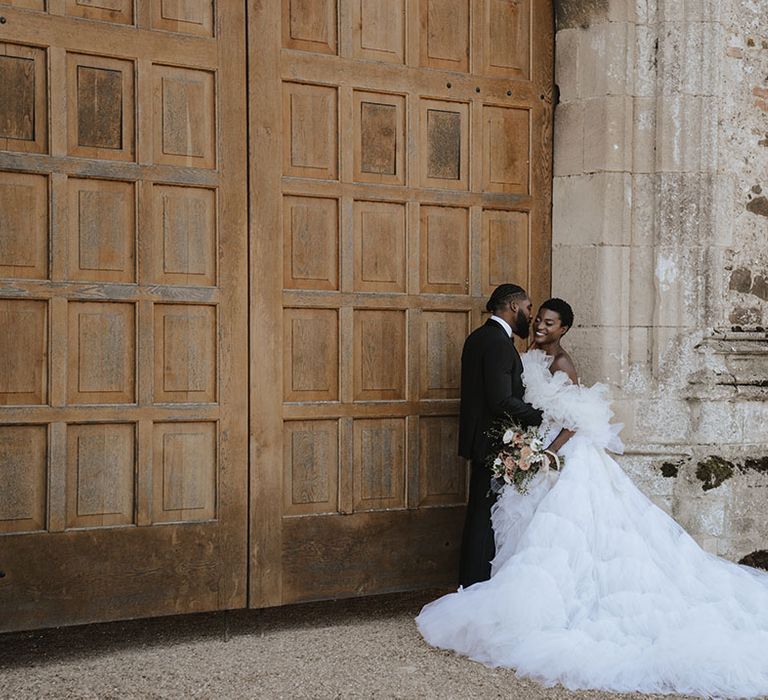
[491, 386]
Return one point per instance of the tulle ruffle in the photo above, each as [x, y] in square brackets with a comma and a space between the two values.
[586, 410]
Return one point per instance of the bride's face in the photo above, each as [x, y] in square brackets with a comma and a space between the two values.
[547, 327]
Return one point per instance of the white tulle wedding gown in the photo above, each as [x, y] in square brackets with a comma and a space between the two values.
[593, 586]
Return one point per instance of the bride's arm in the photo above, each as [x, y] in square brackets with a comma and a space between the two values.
[563, 363]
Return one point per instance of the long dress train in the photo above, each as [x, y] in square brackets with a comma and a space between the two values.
[593, 586]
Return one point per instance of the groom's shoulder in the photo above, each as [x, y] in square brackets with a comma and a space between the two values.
[489, 332]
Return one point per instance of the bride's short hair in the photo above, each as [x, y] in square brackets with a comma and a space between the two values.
[560, 307]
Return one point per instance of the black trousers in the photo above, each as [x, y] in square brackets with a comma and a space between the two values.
[477, 545]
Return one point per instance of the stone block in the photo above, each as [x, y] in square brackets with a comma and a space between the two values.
[644, 135]
[716, 423]
[686, 133]
[664, 421]
[703, 516]
[624, 413]
[605, 65]
[592, 209]
[639, 346]
[608, 134]
[680, 287]
[594, 279]
[755, 417]
[666, 503]
[645, 11]
[644, 472]
[567, 64]
[689, 58]
[569, 139]
[685, 209]
[645, 61]
[599, 354]
[644, 208]
[642, 286]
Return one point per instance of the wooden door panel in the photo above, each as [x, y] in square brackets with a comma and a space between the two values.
[23, 98]
[123, 391]
[507, 38]
[23, 466]
[23, 352]
[378, 30]
[402, 173]
[24, 222]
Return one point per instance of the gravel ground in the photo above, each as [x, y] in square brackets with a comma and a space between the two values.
[362, 648]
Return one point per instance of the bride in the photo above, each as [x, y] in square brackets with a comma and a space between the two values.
[592, 585]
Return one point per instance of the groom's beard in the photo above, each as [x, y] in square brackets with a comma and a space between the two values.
[522, 325]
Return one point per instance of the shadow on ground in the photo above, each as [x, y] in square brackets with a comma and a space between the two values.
[58, 644]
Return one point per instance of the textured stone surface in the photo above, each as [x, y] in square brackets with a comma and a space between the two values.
[668, 100]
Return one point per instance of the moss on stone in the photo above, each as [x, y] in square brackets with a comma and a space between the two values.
[758, 464]
[670, 469]
[758, 559]
[713, 471]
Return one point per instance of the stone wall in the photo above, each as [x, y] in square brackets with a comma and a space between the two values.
[660, 242]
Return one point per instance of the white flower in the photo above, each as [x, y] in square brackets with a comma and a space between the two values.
[537, 445]
[508, 435]
[497, 462]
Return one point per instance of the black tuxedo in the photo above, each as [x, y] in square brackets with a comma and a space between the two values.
[491, 386]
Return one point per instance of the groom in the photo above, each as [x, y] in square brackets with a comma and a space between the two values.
[491, 387]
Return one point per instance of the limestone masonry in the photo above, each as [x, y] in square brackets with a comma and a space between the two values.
[660, 241]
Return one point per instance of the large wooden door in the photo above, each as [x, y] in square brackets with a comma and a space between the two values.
[123, 300]
[400, 169]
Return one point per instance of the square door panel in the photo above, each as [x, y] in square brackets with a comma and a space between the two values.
[183, 16]
[442, 339]
[379, 355]
[101, 357]
[100, 107]
[444, 239]
[119, 11]
[444, 32]
[183, 236]
[310, 25]
[310, 243]
[23, 477]
[101, 467]
[380, 245]
[506, 150]
[23, 225]
[102, 230]
[310, 137]
[23, 99]
[507, 38]
[184, 472]
[379, 464]
[23, 352]
[444, 144]
[311, 467]
[442, 473]
[185, 353]
[311, 361]
[504, 249]
[184, 114]
[379, 138]
[378, 30]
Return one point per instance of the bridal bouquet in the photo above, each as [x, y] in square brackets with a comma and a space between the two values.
[518, 454]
